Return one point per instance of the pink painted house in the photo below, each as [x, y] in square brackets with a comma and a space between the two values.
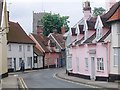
[44, 44]
[89, 50]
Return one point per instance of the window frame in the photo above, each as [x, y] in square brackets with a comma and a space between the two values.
[29, 61]
[28, 47]
[20, 48]
[99, 33]
[116, 54]
[20, 60]
[100, 64]
[86, 63]
[9, 47]
[9, 64]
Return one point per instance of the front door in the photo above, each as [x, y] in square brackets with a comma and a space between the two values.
[92, 68]
[14, 64]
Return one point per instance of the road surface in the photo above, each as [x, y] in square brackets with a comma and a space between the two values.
[45, 78]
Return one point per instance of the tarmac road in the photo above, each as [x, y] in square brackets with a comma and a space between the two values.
[45, 78]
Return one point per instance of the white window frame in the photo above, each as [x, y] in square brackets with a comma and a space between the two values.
[86, 64]
[115, 63]
[78, 64]
[99, 28]
[99, 33]
[28, 48]
[100, 64]
[69, 61]
[118, 28]
[20, 48]
[29, 61]
[20, 60]
[9, 47]
[86, 35]
[9, 63]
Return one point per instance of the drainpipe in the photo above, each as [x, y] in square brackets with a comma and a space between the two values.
[24, 53]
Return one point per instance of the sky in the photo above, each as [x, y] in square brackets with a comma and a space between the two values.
[21, 11]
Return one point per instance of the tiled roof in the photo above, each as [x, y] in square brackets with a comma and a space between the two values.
[1, 8]
[59, 38]
[16, 34]
[116, 14]
[37, 51]
[42, 40]
[112, 10]
[105, 36]
[79, 41]
[90, 39]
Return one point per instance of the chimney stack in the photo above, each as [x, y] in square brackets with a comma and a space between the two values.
[55, 31]
[63, 30]
[86, 9]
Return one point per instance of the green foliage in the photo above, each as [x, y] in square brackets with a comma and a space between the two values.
[54, 21]
[98, 11]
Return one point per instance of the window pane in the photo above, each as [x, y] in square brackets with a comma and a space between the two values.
[20, 60]
[86, 63]
[28, 48]
[9, 62]
[100, 64]
[20, 48]
[115, 56]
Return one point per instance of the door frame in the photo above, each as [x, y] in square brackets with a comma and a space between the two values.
[14, 64]
[93, 69]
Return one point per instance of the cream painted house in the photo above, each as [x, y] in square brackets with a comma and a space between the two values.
[3, 40]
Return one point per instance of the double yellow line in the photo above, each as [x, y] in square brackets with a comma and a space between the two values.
[22, 83]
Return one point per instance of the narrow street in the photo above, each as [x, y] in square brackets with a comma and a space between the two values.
[46, 79]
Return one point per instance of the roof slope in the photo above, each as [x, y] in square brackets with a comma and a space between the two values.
[59, 38]
[112, 10]
[105, 36]
[42, 40]
[116, 14]
[16, 34]
[38, 52]
[90, 39]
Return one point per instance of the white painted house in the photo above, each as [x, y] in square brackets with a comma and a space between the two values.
[38, 59]
[114, 21]
[20, 47]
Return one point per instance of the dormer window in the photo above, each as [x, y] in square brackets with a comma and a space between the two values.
[77, 31]
[86, 30]
[98, 33]
[99, 28]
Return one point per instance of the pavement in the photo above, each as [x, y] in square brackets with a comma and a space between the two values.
[100, 84]
[12, 81]
[9, 82]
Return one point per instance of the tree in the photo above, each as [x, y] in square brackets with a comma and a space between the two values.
[98, 11]
[54, 21]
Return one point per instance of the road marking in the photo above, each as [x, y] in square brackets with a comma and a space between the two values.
[22, 82]
[54, 76]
